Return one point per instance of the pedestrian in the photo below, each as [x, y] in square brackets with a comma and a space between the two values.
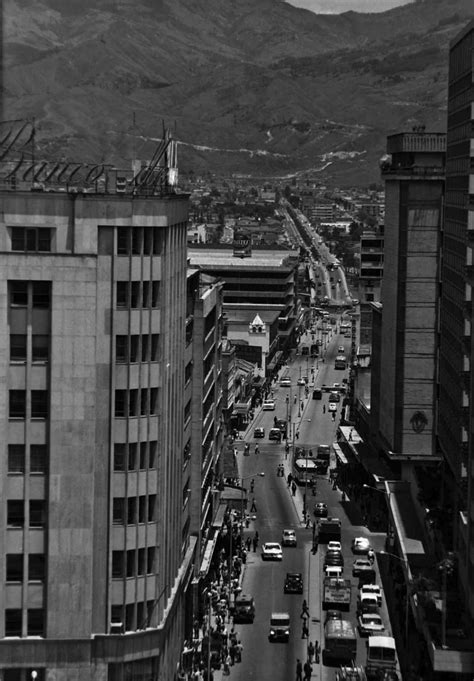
[256, 451]
[304, 609]
[302, 405]
[248, 543]
[317, 651]
[252, 486]
[253, 508]
[289, 479]
[308, 670]
[238, 651]
[297, 434]
[255, 544]
[294, 399]
[371, 555]
[324, 408]
[299, 670]
[310, 651]
[293, 488]
[304, 630]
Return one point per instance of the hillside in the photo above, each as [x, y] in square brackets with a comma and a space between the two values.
[252, 86]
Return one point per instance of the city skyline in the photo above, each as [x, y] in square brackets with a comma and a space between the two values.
[340, 6]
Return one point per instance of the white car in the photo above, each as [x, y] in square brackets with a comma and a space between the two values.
[332, 406]
[268, 405]
[334, 546]
[360, 545]
[372, 589]
[370, 623]
[288, 538]
[341, 348]
[272, 551]
[301, 381]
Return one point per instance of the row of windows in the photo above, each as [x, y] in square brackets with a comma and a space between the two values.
[135, 455]
[38, 460]
[133, 563]
[23, 674]
[34, 622]
[16, 569]
[136, 402]
[16, 513]
[133, 616]
[39, 404]
[137, 348]
[35, 293]
[19, 350]
[139, 240]
[137, 294]
[31, 239]
[134, 509]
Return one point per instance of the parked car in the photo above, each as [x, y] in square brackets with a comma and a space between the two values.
[288, 538]
[268, 405]
[370, 623]
[360, 545]
[334, 397]
[372, 589]
[334, 546]
[332, 406]
[332, 615]
[293, 583]
[259, 432]
[361, 565]
[272, 551]
[334, 558]
[321, 510]
[341, 348]
[275, 434]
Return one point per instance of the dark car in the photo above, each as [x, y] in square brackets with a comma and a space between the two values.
[259, 432]
[293, 583]
[321, 510]
[244, 610]
[333, 558]
[317, 394]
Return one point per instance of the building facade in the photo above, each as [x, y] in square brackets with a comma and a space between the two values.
[456, 377]
[96, 526]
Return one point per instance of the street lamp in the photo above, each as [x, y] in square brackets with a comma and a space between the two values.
[405, 563]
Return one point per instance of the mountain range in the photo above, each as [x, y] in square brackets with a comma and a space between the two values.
[255, 87]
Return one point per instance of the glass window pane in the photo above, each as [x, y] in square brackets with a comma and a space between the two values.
[41, 294]
[121, 348]
[18, 348]
[38, 458]
[15, 513]
[37, 513]
[14, 567]
[119, 456]
[17, 407]
[118, 511]
[40, 348]
[122, 293]
[31, 240]
[16, 458]
[44, 239]
[123, 240]
[13, 622]
[39, 404]
[19, 293]
[18, 239]
[36, 567]
[35, 622]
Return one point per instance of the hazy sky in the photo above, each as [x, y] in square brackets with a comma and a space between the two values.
[337, 6]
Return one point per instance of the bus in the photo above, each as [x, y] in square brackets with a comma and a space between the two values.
[340, 362]
[304, 467]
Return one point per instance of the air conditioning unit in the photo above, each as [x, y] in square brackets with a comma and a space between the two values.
[116, 627]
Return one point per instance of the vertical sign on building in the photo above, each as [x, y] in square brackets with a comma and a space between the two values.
[242, 245]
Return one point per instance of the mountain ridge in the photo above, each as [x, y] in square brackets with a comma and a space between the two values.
[289, 86]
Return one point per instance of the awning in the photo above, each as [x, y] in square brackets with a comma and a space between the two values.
[208, 553]
[276, 358]
[219, 517]
[242, 407]
[340, 456]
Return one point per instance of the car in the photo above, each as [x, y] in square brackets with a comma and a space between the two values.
[334, 397]
[321, 510]
[373, 589]
[341, 348]
[360, 545]
[332, 615]
[301, 381]
[271, 550]
[334, 546]
[334, 571]
[293, 583]
[333, 558]
[288, 538]
[275, 434]
[285, 382]
[268, 405]
[244, 609]
[361, 565]
[259, 432]
[370, 623]
[317, 394]
[332, 406]
[279, 627]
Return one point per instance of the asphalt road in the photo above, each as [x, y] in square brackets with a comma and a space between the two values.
[278, 509]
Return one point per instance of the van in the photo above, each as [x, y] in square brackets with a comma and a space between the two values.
[279, 627]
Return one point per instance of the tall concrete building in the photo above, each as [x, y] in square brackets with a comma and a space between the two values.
[456, 375]
[96, 520]
[414, 194]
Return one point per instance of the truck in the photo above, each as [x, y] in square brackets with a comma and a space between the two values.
[340, 641]
[336, 593]
[382, 661]
[329, 530]
[323, 453]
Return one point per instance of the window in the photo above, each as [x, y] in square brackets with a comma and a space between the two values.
[39, 404]
[129, 612]
[133, 402]
[132, 456]
[121, 349]
[157, 241]
[13, 622]
[17, 348]
[142, 509]
[35, 622]
[144, 348]
[141, 562]
[151, 507]
[41, 294]
[153, 400]
[147, 240]
[120, 403]
[19, 293]
[131, 511]
[16, 458]
[143, 402]
[136, 298]
[23, 674]
[137, 235]
[38, 458]
[15, 513]
[134, 342]
[119, 456]
[14, 567]
[123, 241]
[33, 239]
[36, 567]
[116, 614]
[130, 563]
[17, 407]
[152, 454]
[122, 294]
[146, 294]
[143, 455]
[150, 560]
[155, 293]
[155, 339]
[117, 564]
[40, 348]
[37, 513]
[118, 512]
